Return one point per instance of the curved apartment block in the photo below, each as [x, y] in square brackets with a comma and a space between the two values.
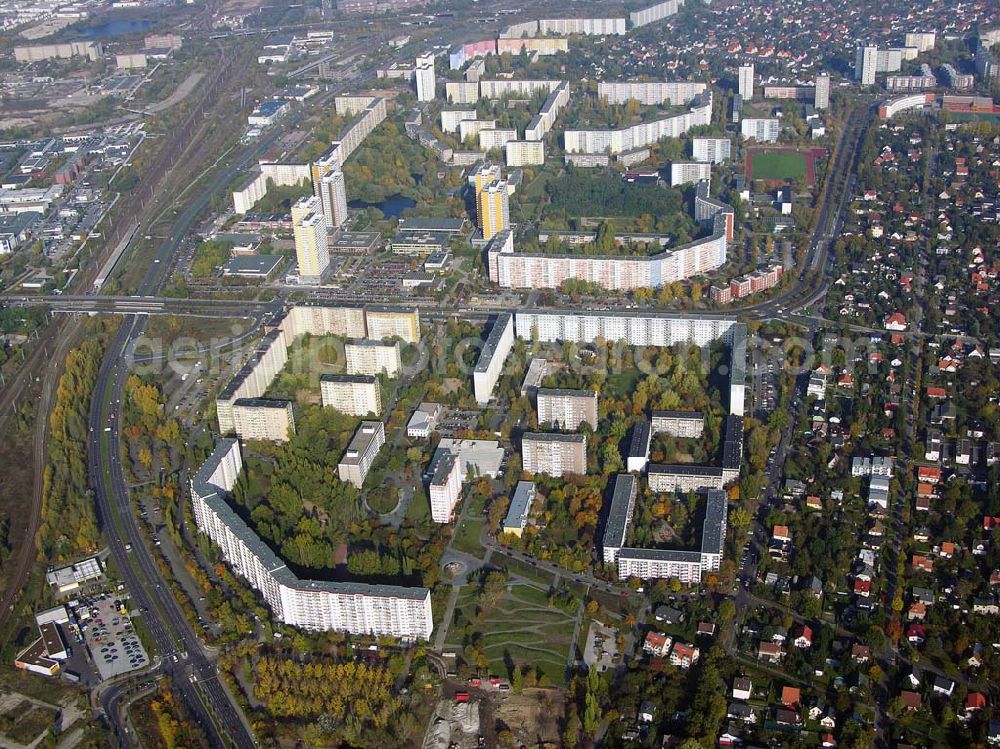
[542, 270]
[356, 608]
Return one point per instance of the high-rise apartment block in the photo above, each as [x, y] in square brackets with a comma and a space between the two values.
[619, 516]
[761, 129]
[567, 409]
[642, 134]
[651, 93]
[822, 96]
[309, 227]
[524, 153]
[356, 395]
[263, 419]
[495, 351]
[542, 270]
[493, 209]
[445, 488]
[333, 198]
[686, 566]
[424, 74]
[317, 605]
[554, 454]
[870, 60]
[594, 26]
[711, 150]
[361, 452]
[686, 172]
[542, 122]
[654, 13]
[954, 79]
[495, 138]
[368, 357]
[253, 379]
[450, 118]
[745, 81]
[865, 65]
[922, 40]
[386, 322]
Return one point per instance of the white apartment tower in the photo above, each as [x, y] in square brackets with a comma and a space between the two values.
[865, 62]
[425, 78]
[309, 226]
[445, 488]
[822, 100]
[746, 76]
[333, 198]
[711, 150]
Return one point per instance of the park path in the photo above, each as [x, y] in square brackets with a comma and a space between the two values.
[449, 614]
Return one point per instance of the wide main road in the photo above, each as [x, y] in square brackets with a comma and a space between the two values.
[194, 673]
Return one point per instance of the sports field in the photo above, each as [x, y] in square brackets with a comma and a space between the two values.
[778, 165]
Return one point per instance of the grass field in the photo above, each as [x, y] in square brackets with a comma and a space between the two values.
[522, 629]
[778, 165]
[467, 536]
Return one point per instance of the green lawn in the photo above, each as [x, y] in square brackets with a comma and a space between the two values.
[621, 384]
[778, 165]
[467, 536]
[523, 628]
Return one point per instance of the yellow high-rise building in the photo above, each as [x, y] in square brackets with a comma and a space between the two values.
[493, 209]
[311, 251]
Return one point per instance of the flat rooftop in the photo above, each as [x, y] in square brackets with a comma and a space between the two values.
[438, 225]
[520, 504]
[503, 321]
[638, 446]
[353, 379]
[568, 393]
[262, 403]
[621, 497]
[553, 437]
[367, 432]
[258, 266]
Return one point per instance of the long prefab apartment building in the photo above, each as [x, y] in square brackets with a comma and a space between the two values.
[310, 604]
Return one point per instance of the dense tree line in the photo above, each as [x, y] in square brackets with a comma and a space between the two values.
[69, 527]
[353, 703]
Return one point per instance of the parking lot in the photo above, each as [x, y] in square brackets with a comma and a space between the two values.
[601, 648]
[114, 647]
